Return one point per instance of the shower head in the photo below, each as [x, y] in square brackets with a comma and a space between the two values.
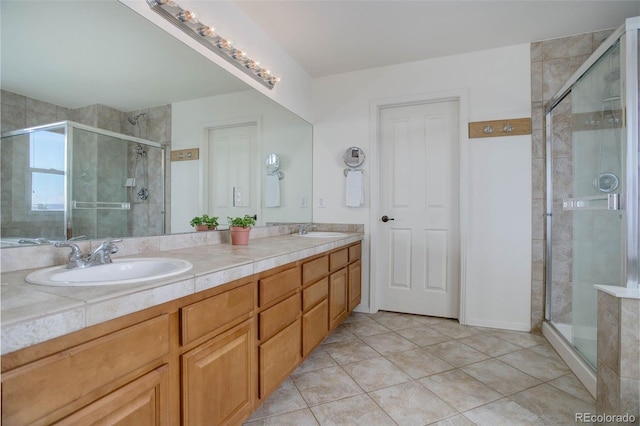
[134, 120]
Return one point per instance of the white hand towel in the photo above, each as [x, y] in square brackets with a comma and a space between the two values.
[272, 191]
[355, 190]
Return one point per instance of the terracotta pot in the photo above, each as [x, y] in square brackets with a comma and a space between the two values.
[239, 235]
[205, 228]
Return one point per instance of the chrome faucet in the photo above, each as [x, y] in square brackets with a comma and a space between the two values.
[303, 228]
[99, 256]
[103, 253]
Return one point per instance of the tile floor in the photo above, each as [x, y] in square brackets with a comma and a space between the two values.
[399, 369]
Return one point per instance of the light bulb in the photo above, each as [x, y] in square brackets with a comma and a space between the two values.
[185, 16]
[238, 55]
[206, 31]
[223, 44]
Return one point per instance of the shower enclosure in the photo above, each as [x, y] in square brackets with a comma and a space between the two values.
[67, 180]
[592, 188]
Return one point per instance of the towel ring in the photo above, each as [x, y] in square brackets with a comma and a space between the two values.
[353, 157]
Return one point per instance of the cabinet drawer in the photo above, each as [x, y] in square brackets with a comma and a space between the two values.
[338, 259]
[315, 269]
[277, 317]
[210, 314]
[315, 293]
[279, 356]
[315, 326]
[354, 252]
[275, 286]
[65, 377]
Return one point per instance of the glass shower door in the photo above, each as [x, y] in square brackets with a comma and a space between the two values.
[587, 174]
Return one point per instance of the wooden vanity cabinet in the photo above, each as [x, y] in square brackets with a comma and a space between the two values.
[208, 358]
[338, 289]
[344, 283]
[218, 375]
[139, 403]
[279, 325]
[217, 378]
[355, 276]
[315, 303]
[92, 379]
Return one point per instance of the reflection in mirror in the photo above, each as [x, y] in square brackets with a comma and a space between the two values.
[117, 81]
[237, 131]
[272, 162]
[66, 180]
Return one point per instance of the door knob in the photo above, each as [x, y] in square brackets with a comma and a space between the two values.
[386, 218]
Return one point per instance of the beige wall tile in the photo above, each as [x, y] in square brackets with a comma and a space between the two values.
[566, 47]
[630, 338]
[608, 332]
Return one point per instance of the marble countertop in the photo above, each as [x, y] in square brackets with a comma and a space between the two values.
[34, 313]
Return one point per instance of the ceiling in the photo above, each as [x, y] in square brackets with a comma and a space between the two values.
[330, 37]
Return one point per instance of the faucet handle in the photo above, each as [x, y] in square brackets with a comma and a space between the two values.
[76, 253]
[110, 247]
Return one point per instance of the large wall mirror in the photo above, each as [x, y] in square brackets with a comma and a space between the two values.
[99, 66]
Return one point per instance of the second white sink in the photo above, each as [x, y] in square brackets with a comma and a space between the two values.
[121, 271]
[322, 234]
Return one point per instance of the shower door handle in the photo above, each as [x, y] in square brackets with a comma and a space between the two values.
[593, 203]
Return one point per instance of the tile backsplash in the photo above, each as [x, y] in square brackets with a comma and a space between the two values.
[42, 256]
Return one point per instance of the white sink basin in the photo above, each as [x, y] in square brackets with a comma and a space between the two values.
[121, 271]
[322, 234]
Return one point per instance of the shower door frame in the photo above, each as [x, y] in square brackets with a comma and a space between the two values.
[71, 126]
[628, 36]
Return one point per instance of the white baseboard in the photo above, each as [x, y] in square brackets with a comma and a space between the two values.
[580, 368]
[501, 325]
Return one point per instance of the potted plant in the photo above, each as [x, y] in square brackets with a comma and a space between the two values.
[239, 228]
[204, 223]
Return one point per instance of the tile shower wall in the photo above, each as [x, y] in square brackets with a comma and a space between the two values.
[18, 112]
[552, 63]
[618, 370]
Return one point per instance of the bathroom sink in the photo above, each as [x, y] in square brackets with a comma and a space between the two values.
[121, 271]
[322, 234]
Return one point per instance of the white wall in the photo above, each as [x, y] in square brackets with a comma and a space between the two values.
[281, 132]
[293, 91]
[497, 223]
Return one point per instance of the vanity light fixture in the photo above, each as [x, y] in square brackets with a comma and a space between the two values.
[206, 35]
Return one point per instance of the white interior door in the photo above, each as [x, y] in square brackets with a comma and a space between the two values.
[232, 188]
[418, 266]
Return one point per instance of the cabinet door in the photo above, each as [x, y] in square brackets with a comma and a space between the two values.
[355, 284]
[315, 326]
[140, 403]
[217, 379]
[338, 288]
[279, 356]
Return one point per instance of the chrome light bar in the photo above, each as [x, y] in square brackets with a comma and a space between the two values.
[205, 35]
